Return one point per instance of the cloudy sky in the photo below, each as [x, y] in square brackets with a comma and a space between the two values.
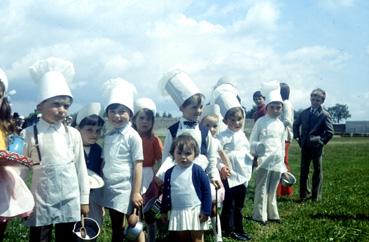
[308, 44]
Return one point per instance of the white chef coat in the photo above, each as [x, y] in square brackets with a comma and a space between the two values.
[60, 183]
[237, 148]
[270, 132]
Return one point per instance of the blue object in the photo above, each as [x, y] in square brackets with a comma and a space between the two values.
[15, 144]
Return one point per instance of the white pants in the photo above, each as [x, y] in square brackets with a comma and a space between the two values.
[265, 200]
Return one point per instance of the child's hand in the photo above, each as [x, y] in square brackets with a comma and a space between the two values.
[132, 219]
[203, 218]
[216, 184]
[137, 199]
[225, 172]
[85, 209]
[164, 218]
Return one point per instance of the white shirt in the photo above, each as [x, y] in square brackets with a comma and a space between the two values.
[237, 147]
[208, 163]
[270, 132]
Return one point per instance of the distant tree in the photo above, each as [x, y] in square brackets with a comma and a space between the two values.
[164, 115]
[169, 115]
[157, 115]
[339, 112]
[250, 113]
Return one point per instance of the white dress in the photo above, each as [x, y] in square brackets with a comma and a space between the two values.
[186, 206]
[121, 150]
[60, 183]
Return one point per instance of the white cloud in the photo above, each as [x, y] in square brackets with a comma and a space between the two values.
[262, 15]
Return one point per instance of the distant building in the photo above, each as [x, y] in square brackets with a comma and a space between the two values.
[357, 127]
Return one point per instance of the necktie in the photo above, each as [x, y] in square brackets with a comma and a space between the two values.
[190, 124]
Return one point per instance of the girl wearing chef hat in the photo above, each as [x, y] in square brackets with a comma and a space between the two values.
[60, 183]
[143, 122]
[90, 123]
[15, 199]
[123, 157]
[270, 131]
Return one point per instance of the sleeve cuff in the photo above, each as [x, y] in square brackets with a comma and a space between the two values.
[85, 199]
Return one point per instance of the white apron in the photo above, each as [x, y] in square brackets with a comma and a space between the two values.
[55, 184]
[117, 173]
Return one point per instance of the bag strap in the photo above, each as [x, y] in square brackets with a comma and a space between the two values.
[35, 133]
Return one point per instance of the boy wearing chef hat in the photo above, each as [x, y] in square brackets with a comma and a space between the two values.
[235, 144]
[190, 102]
[60, 183]
[123, 156]
[269, 130]
[89, 123]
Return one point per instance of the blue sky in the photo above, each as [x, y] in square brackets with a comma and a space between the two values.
[308, 44]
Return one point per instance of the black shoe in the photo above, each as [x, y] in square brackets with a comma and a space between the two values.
[239, 237]
[278, 221]
[304, 199]
[263, 223]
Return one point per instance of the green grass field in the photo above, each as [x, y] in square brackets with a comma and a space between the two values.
[342, 215]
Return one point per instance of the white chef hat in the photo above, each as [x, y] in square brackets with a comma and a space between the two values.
[120, 91]
[224, 84]
[145, 102]
[210, 109]
[89, 109]
[178, 85]
[4, 79]
[226, 101]
[271, 91]
[52, 75]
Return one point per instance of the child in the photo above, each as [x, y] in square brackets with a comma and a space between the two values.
[287, 119]
[143, 122]
[210, 119]
[236, 146]
[269, 130]
[259, 100]
[89, 123]
[60, 183]
[123, 157]
[190, 102]
[15, 199]
[186, 192]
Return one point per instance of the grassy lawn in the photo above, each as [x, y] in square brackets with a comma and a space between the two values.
[342, 215]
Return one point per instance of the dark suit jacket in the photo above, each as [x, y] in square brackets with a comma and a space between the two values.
[313, 129]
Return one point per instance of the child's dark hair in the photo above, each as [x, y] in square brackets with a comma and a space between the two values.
[232, 112]
[182, 141]
[6, 123]
[196, 99]
[93, 120]
[285, 91]
[117, 105]
[257, 94]
[151, 116]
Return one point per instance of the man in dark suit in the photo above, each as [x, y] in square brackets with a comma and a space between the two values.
[312, 130]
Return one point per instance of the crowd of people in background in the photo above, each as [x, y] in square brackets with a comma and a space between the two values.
[108, 158]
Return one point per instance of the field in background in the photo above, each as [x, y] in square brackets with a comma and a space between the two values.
[342, 215]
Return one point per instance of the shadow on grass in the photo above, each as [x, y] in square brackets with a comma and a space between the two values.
[341, 217]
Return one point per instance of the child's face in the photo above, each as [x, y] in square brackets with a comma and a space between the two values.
[274, 109]
[90, 134]
[192, 112]
[316, 100]
[211, 122]
[185, 156]
[143, 122]
[55, 109]
[235, 122]
[118, 116]
[259, 101]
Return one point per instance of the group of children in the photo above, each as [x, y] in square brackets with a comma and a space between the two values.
[200, 166]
